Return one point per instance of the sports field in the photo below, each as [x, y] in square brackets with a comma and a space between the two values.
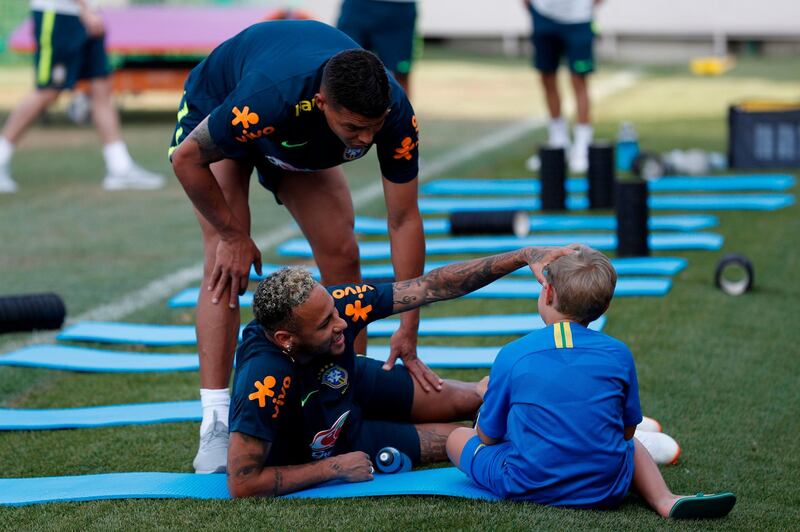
[719, 372]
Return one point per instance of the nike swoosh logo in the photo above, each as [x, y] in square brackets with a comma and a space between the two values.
[286, 144]
[304, 401]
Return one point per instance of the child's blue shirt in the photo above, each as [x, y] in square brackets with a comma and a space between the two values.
[562, 397]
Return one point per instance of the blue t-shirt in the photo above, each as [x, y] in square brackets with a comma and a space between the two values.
[307, 411]
[562, 397]
[259, 88]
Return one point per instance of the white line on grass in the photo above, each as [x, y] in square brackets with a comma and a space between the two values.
[169, 284]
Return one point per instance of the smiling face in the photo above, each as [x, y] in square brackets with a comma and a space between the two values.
[354, 130]
[317, 328]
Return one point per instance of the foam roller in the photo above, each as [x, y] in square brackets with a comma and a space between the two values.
[31, 312]
[490, 223]
[554, 173]
[601, 175]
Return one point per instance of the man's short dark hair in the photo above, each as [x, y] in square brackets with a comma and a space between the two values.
[356, 80]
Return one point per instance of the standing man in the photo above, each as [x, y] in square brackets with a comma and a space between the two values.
[564, 28]
[386, 27]
[294, 100]
[70, 45]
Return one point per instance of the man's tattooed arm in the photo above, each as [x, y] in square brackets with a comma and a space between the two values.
[209, 152]
[461, 278]
[248, 476]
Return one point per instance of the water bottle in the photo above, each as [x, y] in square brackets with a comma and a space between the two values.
[390, 460]
[627, 147]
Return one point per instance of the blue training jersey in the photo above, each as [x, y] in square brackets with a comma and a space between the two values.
[306, 411]
[562, 397]
[260, 86]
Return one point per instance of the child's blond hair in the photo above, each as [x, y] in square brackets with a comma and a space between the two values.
[584, 283]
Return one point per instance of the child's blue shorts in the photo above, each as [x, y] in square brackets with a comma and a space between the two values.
[484, 464]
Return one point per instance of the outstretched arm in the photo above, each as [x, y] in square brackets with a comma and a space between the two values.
[236, 251]
[248, 477]
[455, 280]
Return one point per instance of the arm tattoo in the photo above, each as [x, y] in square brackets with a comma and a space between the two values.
[208, 149]
[278, 482]
[455, 280]
[432, 445]
[250, 461]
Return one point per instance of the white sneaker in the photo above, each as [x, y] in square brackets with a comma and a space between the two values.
[578, 160]
[649, 424]
[661, 447]
[212, 455]
[7, 185]
[136, 178]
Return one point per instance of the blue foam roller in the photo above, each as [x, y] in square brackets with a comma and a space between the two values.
[516, 187]
[99, 416]
[299, 247]
[161, 335]
[503, 288]
[448, 482]
[707, 202]
[556, 222]
[624, 266]
[85, 359]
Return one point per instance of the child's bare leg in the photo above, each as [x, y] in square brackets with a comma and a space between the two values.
[456, 442]
[647, 480]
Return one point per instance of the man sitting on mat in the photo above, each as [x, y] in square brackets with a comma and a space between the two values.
[561, 406]
[306, 409]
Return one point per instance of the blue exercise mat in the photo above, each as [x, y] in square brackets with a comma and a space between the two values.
[84, 359]
[706, 202]
[69, 358]
[299, 247]
[99, 416]
[516, 187]
[556, 222]
[161, 335]
[502, 288]
[624, 266]
[448, 482]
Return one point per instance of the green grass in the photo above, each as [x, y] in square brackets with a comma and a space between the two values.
[719, 372]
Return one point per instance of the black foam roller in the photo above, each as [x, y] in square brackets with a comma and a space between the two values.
[31, 312]
[632, 219]
[490, 223]
[601, 175]
[554, 172]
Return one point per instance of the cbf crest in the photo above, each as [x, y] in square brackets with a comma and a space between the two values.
[333, 376]
[353, 153]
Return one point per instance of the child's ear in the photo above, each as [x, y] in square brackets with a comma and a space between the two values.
[549, 293]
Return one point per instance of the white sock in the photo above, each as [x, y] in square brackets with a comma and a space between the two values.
[582, 135]
[558, 133]
[118, 160]
[6, 151]
[218, 401]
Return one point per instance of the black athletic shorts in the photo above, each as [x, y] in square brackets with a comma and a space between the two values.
[385, 398]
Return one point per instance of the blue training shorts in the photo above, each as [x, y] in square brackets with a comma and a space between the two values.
[385, 399]
[484, 464]
[385, 28]
[192, 111]
[552, 40]
[64, 51]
